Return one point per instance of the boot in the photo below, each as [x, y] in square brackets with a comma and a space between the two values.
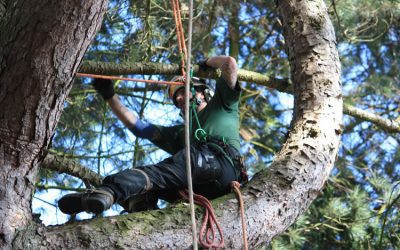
[141, 202]
[91, 201]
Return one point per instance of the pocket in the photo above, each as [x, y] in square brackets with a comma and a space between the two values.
[207, 166]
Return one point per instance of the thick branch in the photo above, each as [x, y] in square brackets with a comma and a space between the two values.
[150, 68]
[282, 85]
[71, 167]
[41, 46]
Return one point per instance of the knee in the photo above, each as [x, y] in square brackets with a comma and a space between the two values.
[133, 178]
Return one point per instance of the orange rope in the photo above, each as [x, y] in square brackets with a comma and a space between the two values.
[182, 51]
[207, 235]
[127, 79]
[180, 35]
[236, 187]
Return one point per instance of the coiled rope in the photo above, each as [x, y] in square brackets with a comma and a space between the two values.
[207, 235]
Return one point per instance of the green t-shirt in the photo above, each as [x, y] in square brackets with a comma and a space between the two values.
[220, 118]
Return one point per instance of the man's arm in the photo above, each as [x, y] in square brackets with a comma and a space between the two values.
[122, 112]
[228, 67]
[126, 116]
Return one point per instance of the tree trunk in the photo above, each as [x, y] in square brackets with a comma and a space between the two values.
[274, 198]
[41, 46]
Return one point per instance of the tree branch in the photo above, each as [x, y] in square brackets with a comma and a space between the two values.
[282, 85]
[71, 167]
[150, 68]
[386, 124]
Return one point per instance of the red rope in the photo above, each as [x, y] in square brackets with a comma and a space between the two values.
[127, 79]
[207, 236]
[181, 33]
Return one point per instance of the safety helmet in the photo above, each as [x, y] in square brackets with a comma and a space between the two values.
[198, 83]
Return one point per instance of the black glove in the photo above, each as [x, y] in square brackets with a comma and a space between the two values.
[203, 64]
[105, 87]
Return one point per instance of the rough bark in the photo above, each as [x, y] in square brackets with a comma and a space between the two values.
[41, 46]
[275, 197]
[2, 9]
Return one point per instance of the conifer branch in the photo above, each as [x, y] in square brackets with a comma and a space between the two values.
[282, 85]
[71, 167]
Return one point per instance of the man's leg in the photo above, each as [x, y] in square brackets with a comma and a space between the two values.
[169, 174]
[211, 174]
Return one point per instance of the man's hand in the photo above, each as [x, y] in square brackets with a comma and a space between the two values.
[203, 64]
[228, 67]
[105, 88]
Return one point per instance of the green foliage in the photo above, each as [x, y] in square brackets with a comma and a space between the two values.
[345, 217]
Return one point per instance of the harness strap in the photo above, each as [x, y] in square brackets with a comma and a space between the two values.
[149, 185]
[222, 151]
[231, 155]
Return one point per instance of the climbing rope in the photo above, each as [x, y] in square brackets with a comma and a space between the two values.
[187, 55]
[180, 34]
[236, 188]
[207, 235]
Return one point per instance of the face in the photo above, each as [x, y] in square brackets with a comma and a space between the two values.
[180, 99]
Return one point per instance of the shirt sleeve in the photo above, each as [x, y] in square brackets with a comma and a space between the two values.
[170, 139]
[143, 129]
[228, 97]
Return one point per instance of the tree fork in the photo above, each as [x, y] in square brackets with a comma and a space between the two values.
[275, 197]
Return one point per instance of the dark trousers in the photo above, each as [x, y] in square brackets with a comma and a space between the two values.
[212, 174]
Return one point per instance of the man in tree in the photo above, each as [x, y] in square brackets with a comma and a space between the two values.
[215, 157]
